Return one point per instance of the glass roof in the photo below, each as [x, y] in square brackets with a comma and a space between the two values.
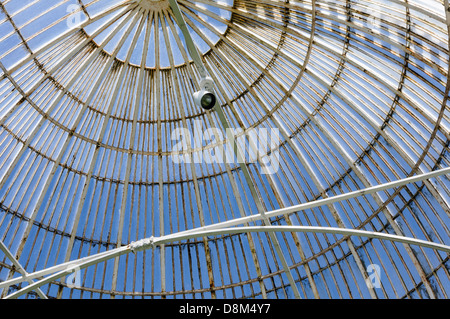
[103, 145]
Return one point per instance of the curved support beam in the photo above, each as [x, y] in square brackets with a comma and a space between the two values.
[297, 229]
[223, 228]
[149, 243]
[192, 48]
[62, 270]
[325, 201]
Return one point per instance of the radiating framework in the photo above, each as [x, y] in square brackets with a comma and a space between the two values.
[89, 98]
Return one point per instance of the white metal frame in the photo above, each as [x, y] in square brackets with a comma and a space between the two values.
[64, 269]
[228, 227]
[19, 267]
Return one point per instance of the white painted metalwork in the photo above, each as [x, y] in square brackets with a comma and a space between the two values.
[92, 91]
[8, 254]
[152, 242]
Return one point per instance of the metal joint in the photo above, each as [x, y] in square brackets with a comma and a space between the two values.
[141, 245]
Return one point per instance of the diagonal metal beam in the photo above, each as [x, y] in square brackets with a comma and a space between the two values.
[232, 141]
[19, 268]
[192, 48]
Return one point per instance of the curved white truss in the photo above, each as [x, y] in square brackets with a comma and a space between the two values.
[67, 268]
[71, 267]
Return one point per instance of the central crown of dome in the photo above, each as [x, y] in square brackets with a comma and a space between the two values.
[154, 4]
